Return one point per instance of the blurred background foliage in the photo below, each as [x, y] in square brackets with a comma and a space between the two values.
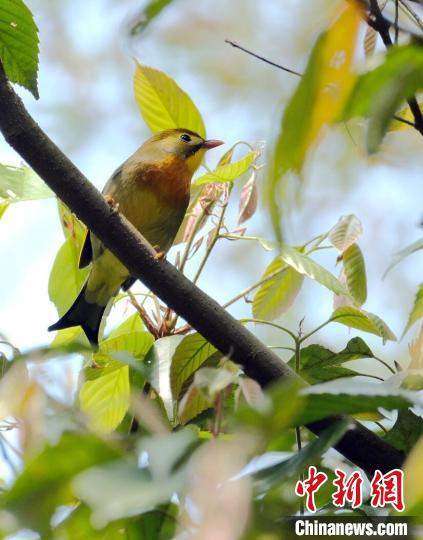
[87, 107]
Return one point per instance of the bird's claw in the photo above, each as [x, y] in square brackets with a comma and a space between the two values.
[159, 253]
[112, 203]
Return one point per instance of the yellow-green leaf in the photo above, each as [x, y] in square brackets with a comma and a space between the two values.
[363, 320]
[19, 44]
[413, 489]
[347, 231]
[278, 293]
[417, 311]
[228, 172]
[192, 404]
[66, 279]
[105, 399]
[132, 324]
[136, 343]
[355, 273]
[163, 104]
[189, 355]
[317, 101]
[21, 184]
[305, 265]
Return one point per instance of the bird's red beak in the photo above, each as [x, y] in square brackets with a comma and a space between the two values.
[212, 143]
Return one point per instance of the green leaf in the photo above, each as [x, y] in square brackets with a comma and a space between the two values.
[319, 364]
[413, 486]
[77, 526]
[105, 399]
[3, 207]
[305, 265]
[277, 294]
[189, 355]
[136, 343]
[148, 13]
[406, 431]
[342, 397]
[355, 273]
[317, 100]
[363, 320]
[417, 311]
[133, 324]
[163, 104]
[70, 223]
[44, 484]
[401, 255]
[277, 474]
[379, 93]
[346, 232]
[19, 44]
[66, 279]
[193, 403]
[138, 490]
[21, 183]
[228, 172]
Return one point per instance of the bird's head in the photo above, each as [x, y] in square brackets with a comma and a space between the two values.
[185, 144]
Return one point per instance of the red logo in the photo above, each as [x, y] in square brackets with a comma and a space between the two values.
[384, 489]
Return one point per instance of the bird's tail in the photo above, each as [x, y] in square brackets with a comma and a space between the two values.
[84, 314]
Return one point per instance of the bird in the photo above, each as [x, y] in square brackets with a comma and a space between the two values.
[152, 190]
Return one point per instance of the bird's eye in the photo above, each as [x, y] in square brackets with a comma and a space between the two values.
[185, 138]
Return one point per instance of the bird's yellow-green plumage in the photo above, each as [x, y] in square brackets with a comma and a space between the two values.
[151, 189]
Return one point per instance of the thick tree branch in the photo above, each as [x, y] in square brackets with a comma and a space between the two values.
[359, 445]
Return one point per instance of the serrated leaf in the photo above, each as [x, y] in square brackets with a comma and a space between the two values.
[345, 233]
[148, 13]
[318, 100]
[401, 255]
[189, 355]
[105, 399]
[19, 44]
[248, 200]
[278, 293]
[406, 431]
[228, 172]
[21, 183]
[363, 320]
[163, 104]
[378, 93]
[417, 311]
[343, 397]
[319, 364]
[355, 273]
[305, 265]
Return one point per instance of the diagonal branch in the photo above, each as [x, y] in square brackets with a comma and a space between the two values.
[359, 445]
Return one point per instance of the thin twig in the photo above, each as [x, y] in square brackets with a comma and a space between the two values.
[262, 58]
[151, 327]
[396, 22]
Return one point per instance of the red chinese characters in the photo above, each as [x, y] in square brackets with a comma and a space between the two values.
[384, 489]
[388, 489]
[309, 486]
[348, 489]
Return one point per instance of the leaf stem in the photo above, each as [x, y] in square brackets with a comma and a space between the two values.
[274, 325]
[306, 336]
[391, 369]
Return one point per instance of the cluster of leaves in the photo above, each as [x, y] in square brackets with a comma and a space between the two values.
[166, 433]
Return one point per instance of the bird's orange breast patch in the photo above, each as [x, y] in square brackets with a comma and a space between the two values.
[169, 180]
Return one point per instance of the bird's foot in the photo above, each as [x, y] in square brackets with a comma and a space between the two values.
[159, 253]
[112, 203]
